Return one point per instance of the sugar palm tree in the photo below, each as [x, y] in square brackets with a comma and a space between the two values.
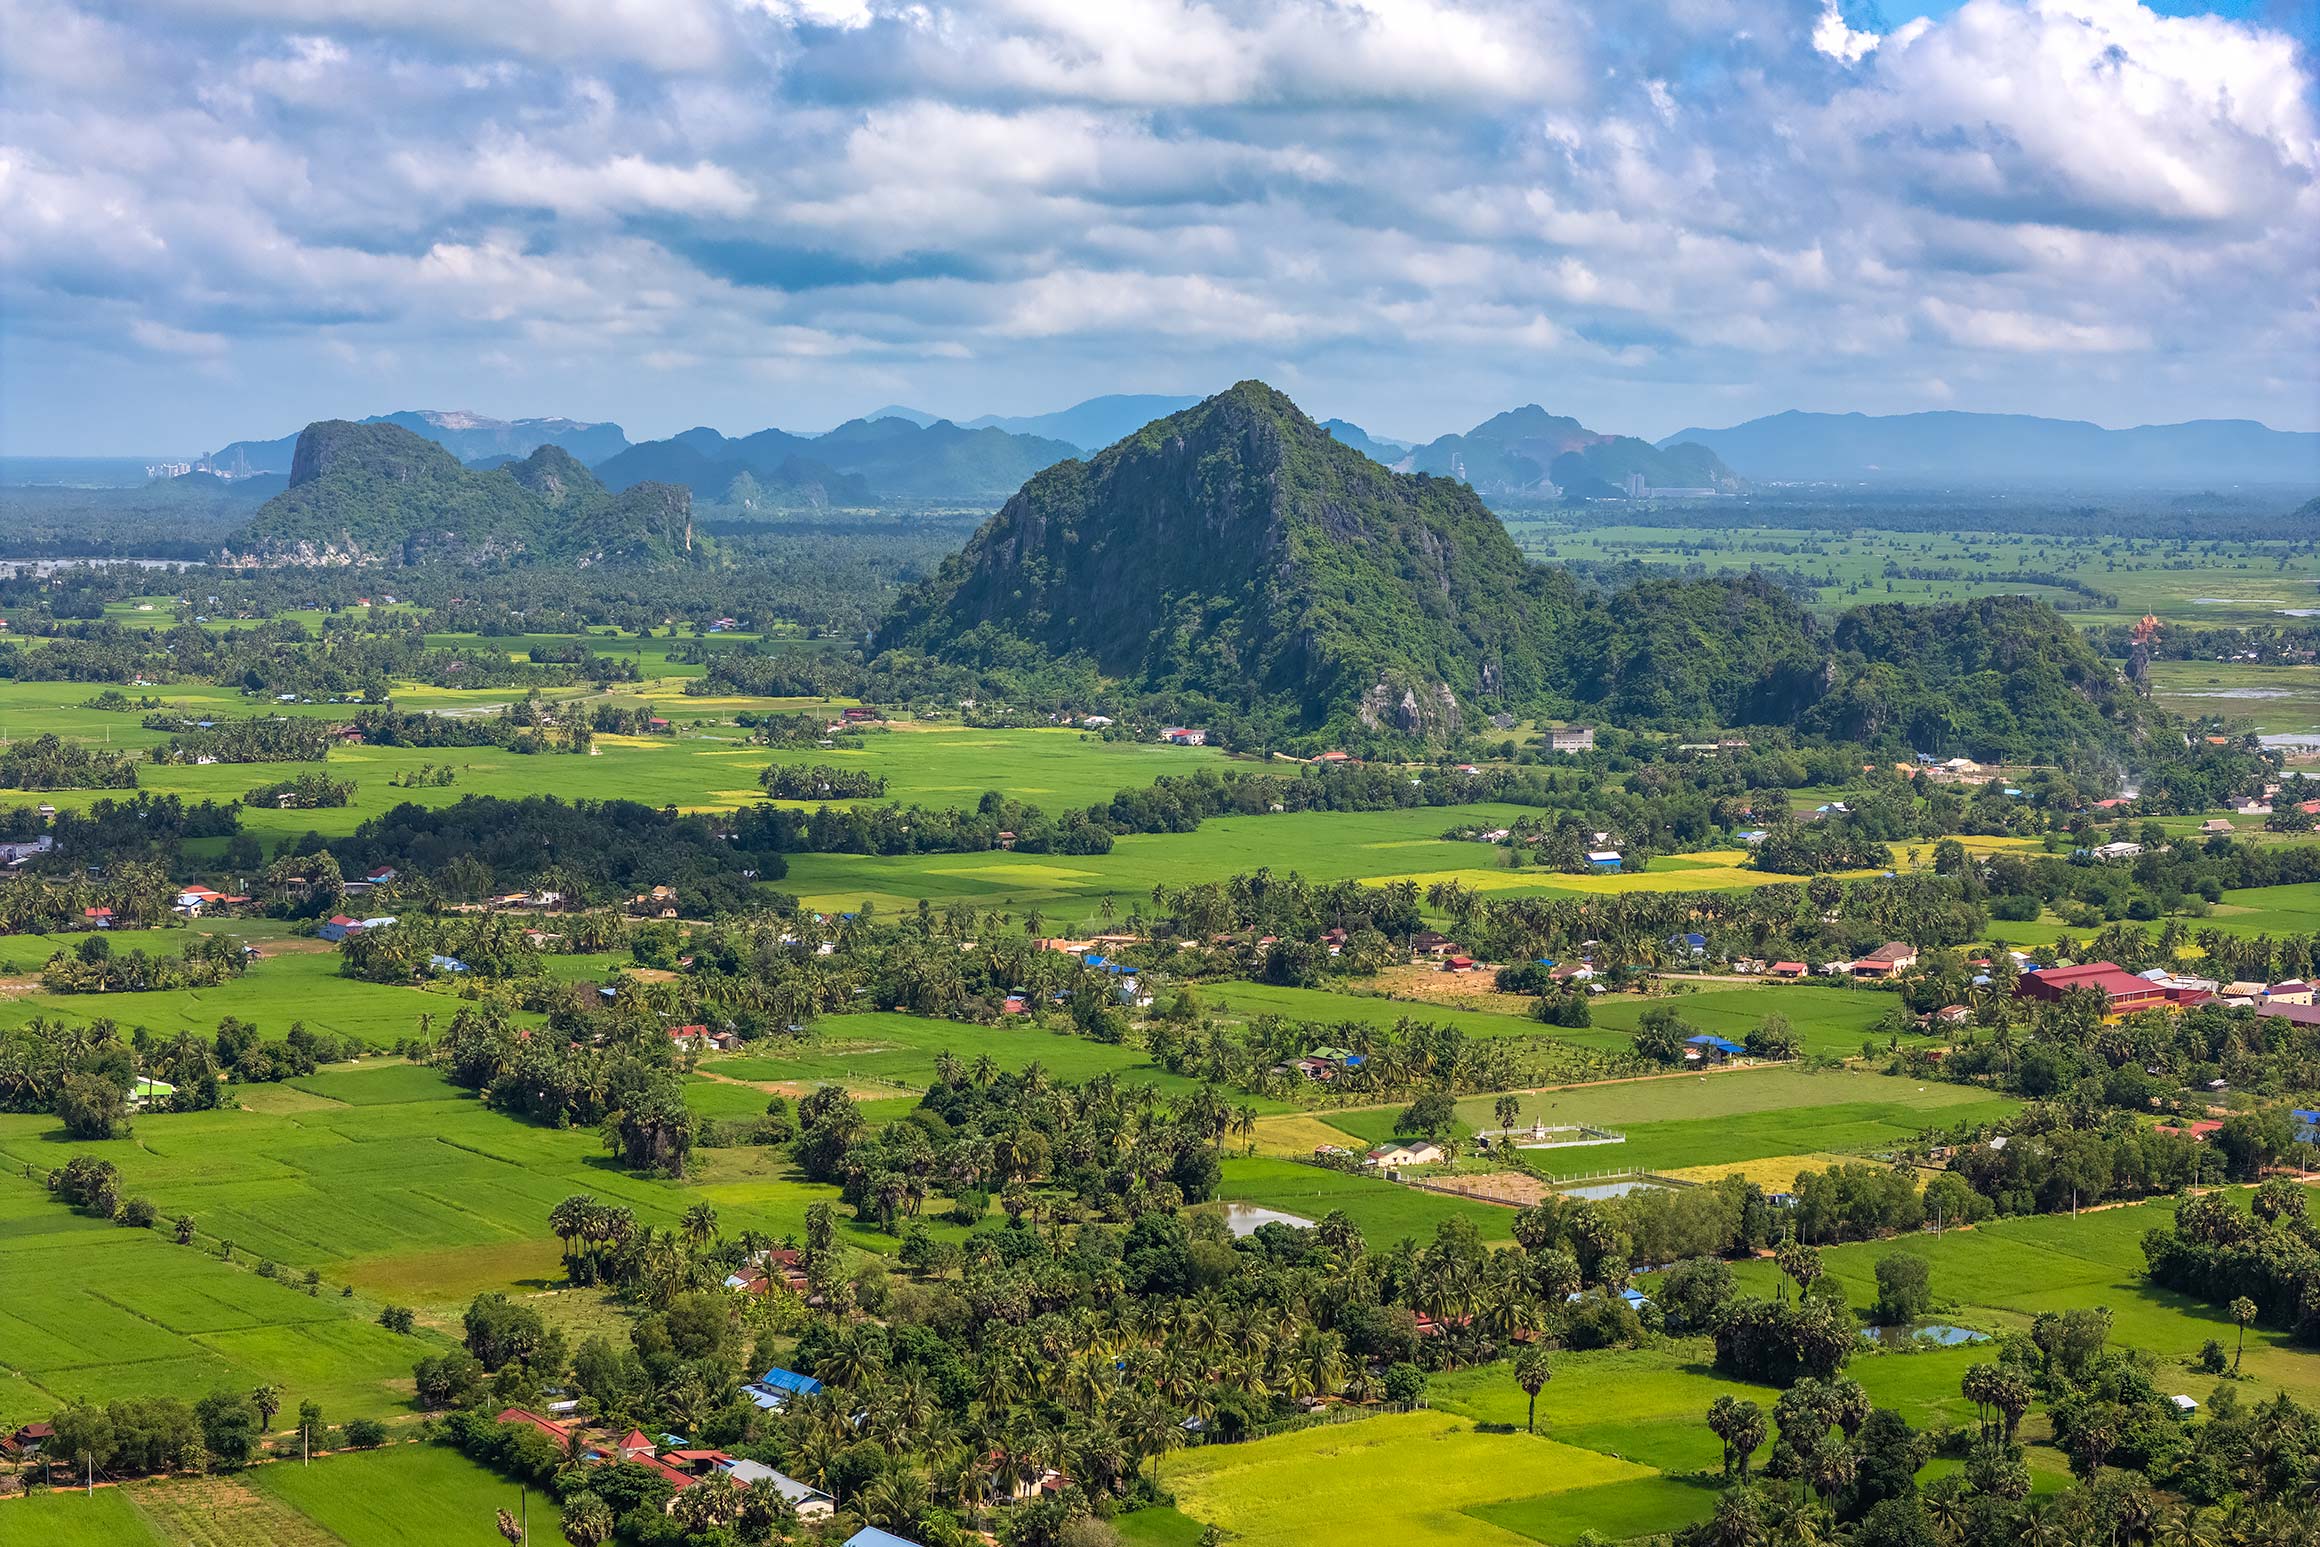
[2243, 1311]
[1532, 1372]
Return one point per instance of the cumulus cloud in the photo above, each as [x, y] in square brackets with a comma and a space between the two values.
[1419, 211]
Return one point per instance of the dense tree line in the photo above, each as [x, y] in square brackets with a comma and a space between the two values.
[48, 762]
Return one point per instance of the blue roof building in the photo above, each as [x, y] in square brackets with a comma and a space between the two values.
[871, 1536]
[1706, 1042]
[780, 1379]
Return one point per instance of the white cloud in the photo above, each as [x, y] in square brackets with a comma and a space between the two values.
[521, 175]
[1653, 214]
[1840, 42]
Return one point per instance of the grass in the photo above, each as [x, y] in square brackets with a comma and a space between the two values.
[285, 985]
[67, 1518]
[1385, 1211]
[393, 1180]
[97, 1311]
[1422, 1477]
[2001, 1274]
[405, 1496]
[1625, 1103]
[884, 1049]
[397, 1496]
[1828, 1021]
[2182, 580]
[1639, 1506]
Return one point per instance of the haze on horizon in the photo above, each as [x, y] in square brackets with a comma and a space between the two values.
[225, 218]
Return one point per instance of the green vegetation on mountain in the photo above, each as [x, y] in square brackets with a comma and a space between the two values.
[377, 492]
[1235, 561]
[1235, 552]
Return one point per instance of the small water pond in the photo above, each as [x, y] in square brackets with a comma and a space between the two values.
[1243, 1218]
[1930, 1335]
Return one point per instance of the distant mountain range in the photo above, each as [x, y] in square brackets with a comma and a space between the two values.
[2008, 448]
[1530, 451]
[377, 491]
[856, 463]
[469, 437]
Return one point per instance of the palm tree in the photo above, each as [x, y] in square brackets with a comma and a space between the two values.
[2243, 1311]
[267, 1400]
[699, 1225]
[1531, 1372]
[587, 1521]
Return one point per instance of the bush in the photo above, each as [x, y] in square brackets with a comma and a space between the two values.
[139, 1213]
[1405, 1383]
[1904, 1288]
[363, 1433]
[397, 1318]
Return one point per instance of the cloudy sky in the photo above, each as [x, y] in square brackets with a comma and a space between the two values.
[222, 218]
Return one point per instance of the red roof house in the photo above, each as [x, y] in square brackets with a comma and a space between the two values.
[2121, 988]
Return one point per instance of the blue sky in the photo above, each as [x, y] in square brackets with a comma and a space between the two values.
[223, 218]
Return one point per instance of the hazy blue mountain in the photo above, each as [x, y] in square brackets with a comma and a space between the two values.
[1093, 424]
[917, 416]
[1376, 447]
[1530, 451]
[859, 461]
[2010, 448]
[469, 437]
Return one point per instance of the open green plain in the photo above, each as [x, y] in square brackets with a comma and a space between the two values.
[402, 1495]
[882, 1049]
[98, 1311]
[396, 1182]
[2181, 580]
[2001, 1274]
[1419, 1479]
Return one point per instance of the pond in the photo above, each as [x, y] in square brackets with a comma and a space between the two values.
[1596, 1192]
[1242, 1219]
[1931, 1335]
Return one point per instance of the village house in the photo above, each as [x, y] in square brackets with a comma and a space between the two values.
[776, 1386]
[1571, 738]
[1184, 736]
[2123, 991]
[1888, 959]
[16, 853]
[1416, 1152]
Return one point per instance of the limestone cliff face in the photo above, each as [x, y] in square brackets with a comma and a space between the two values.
[378, 493]
[1237, 549]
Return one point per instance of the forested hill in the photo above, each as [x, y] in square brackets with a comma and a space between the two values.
[379, 493]
[1239, 566]
[1235, 552]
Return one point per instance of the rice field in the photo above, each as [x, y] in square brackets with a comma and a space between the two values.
[97, 1311]
[1384, 1211]
[2001, 1274]
[398, 1496]
[392, 1180]
[1426, 1479]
